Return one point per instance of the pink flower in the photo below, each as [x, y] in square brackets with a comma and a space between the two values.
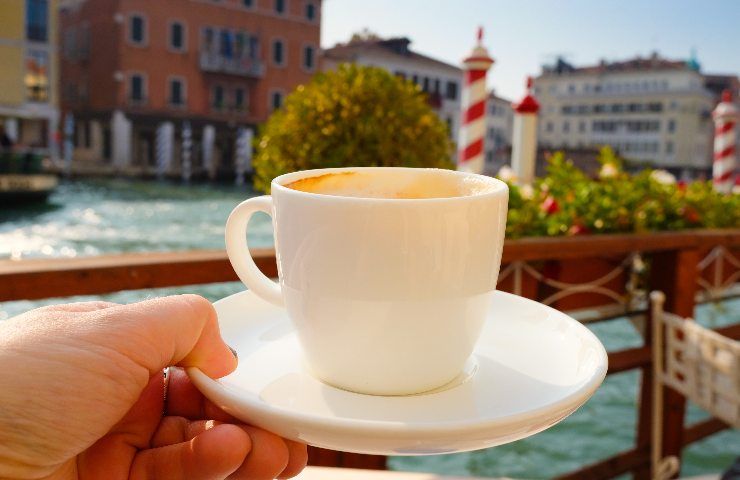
[578, 229]
[550, 205]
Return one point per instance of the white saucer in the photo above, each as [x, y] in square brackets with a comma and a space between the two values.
[533, 367]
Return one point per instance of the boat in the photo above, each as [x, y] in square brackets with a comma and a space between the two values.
[23, 188]
[22, 179]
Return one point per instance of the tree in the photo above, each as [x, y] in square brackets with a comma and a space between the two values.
[364, 35]
[354, 116]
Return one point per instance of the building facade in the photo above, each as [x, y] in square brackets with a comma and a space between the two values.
[440, 80]
[653, 111]
[211, 67]
[499, 126]
[28, 77]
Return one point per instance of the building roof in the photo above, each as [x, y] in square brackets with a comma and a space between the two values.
[493, 96]
[396, 47]
[638, 64]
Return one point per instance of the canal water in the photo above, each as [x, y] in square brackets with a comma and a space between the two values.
[98, 217]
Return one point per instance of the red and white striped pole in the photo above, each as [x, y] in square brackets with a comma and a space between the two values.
[524, 136]
[473, 122]
[725, 118]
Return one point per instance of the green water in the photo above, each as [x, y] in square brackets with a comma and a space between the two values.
[91, 218]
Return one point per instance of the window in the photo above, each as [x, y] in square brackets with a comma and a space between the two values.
[177, 36]
[582, 126]
[248, 3]
[437, 86]
[276, 100]
[240, 99]
[671, 126]
[37, 20]
[218, 97]
[137, 30]
[566, 127]
[669, 147]
[425, 85]
[451, 91]
[69, 43]
[136, 88]
[415, 78]
[280, 6]
[308, 58]
[548, 128]
[571, 88]
[310, 11]
[278, 55]
[37, 76]
[84, 42]
[177, 92]
[400, 74]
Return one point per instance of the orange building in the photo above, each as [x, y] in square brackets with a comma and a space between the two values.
[130, 66]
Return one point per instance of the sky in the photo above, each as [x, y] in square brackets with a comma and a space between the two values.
[521, 35]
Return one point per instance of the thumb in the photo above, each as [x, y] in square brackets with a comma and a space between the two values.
[179, 330]
[202, 458]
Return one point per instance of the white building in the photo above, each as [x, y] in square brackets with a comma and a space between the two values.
[499, 126]
[441, 80]
[651, 110]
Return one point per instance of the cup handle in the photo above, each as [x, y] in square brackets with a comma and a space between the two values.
[238, 251]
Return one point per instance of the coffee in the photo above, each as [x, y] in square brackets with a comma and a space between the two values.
[400, 184]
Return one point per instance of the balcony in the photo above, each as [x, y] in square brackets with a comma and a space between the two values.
[215, 62]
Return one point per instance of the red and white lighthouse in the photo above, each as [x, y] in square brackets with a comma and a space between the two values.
[725, 140]
[524, 136]
[473, 121]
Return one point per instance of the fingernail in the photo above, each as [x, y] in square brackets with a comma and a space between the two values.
[233, 352]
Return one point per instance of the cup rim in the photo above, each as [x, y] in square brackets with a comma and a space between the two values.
[278, 185]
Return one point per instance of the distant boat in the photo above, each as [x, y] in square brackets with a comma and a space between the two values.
[25, 188]
[22, 179]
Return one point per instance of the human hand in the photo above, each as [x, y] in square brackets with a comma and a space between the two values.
[82, 397]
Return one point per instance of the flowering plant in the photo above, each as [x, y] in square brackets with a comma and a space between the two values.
[568, 202]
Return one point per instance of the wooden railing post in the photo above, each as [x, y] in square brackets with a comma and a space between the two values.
[674, 273]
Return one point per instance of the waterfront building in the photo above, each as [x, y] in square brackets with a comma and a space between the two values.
[499, 127]
[137, 73]
[441, 81]
[653, 111]
[28, 77]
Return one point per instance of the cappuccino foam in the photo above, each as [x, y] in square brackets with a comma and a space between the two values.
[399, 184]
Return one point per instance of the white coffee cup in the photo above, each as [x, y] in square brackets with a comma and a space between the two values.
[388, 295]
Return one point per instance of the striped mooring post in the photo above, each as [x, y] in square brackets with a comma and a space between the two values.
[473, 121]
[725, 117]
[524, 136]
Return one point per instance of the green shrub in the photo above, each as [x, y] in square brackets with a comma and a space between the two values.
[354, 116]
[568, 202]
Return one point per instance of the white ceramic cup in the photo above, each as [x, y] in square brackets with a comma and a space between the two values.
[388, 295]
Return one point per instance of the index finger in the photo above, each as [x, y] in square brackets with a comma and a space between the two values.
[185, 400]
